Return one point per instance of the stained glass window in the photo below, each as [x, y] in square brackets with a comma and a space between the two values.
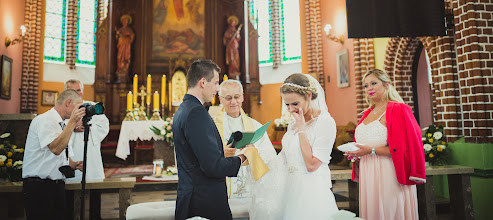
[264, 31]
[56, 29]
[260, 11]
[54, 43]
[290, 31]
[86, 32]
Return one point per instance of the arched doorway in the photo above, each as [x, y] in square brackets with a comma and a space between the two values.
[421, 80]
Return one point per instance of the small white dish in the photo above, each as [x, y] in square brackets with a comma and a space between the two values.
[351, 146]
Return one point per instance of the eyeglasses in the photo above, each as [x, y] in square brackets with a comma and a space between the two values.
[229, 98]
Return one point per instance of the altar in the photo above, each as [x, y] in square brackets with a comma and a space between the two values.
[133, 131]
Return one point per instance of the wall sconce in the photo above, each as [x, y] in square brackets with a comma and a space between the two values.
[327, 29]
[19, 39]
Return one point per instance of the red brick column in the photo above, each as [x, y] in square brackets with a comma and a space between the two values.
[474, 43]
[364, 60]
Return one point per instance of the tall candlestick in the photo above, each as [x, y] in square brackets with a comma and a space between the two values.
[148, 91]
[163, 90]
[156, 101]
[225, 77]
[213, 100]
[134, 89]
[129, 101]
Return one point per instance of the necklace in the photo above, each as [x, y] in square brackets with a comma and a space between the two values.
[375, 112]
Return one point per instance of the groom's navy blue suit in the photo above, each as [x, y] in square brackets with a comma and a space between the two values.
[202, 167]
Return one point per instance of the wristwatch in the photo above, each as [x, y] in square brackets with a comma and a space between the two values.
[373, 151]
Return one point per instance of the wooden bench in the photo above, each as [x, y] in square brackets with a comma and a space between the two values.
[124, 185]
[459, 190]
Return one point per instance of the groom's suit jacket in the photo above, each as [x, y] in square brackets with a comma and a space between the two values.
[202, 168]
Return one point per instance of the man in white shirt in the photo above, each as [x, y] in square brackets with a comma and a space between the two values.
[230, 119]
[100, 127]
[47, 140]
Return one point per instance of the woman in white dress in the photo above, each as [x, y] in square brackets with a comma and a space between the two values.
[298, 185]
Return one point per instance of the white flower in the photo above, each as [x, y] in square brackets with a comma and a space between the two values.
[4, 135]
[277, 122]
[427, 147]
[442, 146]
[168, 135]
[163, 132]
[437, 135]
[168, 119]
[3, 158]
[166, 124]
[18, 164]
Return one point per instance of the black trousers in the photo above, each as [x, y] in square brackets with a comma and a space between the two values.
[95, 204]
[44, 198]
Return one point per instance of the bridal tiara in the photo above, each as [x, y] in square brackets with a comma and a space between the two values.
[295, 85]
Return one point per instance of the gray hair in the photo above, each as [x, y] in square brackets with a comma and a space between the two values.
[66, 95]
[230, 82]
[73, 81]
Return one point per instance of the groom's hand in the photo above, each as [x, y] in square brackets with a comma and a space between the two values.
[228, 151]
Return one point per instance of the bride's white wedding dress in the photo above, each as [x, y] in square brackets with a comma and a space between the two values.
[288, 190]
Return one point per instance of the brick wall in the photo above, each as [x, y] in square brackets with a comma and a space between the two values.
[364, 60]
[474, 40]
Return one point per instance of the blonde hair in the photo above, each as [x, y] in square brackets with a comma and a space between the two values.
[66, 95]
[300, 84]
[390, 93]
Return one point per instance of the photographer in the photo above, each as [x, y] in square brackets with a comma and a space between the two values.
[45, 152]
[94, 164]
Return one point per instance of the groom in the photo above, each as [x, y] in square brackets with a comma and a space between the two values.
[202, 167]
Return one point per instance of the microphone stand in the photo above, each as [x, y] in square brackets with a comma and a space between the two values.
[85, 123]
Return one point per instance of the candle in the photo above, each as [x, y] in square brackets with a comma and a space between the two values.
[129, 101]
[136, 82]
[156, 101]
[170, 88]
[225, 77]
[163, 90]
[148, 95]
[213, 100]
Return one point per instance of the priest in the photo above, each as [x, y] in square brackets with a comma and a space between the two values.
[231, 118]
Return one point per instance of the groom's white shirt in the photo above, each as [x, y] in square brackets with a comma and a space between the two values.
[240, 186]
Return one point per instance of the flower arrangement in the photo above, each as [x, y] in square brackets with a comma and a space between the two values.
[435, 146]
[166, 131]
[284, 121]
[10, 159]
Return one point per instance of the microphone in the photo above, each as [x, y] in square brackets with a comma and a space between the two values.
[235, 138]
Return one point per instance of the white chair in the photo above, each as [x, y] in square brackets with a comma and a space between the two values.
[166, 210]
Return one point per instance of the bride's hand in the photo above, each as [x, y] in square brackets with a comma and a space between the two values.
[299, 120]
[363, 150]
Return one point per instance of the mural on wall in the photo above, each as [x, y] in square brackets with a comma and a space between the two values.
[178, 28]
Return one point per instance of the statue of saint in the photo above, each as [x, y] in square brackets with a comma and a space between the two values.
[125, 36]
[231, 40]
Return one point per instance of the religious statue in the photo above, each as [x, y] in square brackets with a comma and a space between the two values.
[231, 40]
[125, 36]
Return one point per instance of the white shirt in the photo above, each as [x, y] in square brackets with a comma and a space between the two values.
[100, 126]
[38, 160]
[241, 185]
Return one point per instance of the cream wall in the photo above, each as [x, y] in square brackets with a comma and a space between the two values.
[379, 46]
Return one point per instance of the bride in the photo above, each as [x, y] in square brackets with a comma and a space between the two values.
[298, 184]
